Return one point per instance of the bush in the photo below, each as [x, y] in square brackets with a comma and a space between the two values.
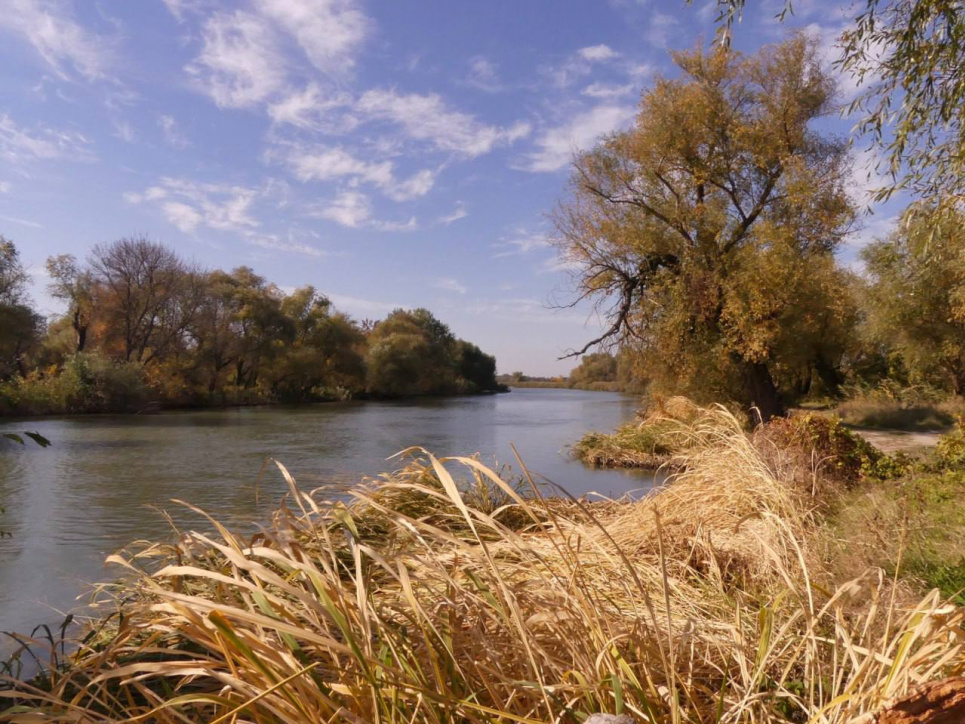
[950, 450]
[87, 382]
[825, 444]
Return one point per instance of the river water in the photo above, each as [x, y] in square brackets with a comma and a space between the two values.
[103, 480]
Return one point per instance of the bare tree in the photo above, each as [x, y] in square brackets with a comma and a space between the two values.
[141, 287]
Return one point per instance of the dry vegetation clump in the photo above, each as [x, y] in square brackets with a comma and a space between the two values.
[816, 449]
[655, 441]
[420, 601]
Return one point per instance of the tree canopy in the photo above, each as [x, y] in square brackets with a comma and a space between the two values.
[694, 228]
[142, 326]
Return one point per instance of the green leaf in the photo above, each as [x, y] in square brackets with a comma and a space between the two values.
[38, 438]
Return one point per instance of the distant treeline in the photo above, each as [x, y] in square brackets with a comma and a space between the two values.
[143, 328]
[600, 372]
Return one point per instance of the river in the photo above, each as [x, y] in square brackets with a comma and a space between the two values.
[101, 483]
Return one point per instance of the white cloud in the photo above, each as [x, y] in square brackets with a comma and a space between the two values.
[427, 118]
[868, 174]
[450, 285]
[272, 242]
[354, 210]
[180, 8]
[189, 205]
[172, 135]
[417, 185]
[324, 163]
[874, 227]
[57, 37]
[308, 109]
[18, 145]
[124, 131]
[239, 65]
[557, 145]
[604, 90]
[334, 163]
[662, 26]
[522, 241]
[483, 75]
[5, 187]
[458, 213]
[329, 31]
[350, 208]
[595, 53]
[21, 222]
[183, 216]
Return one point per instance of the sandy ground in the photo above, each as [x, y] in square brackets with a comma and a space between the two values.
[900, 440]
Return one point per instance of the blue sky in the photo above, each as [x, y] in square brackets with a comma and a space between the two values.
[388, 153]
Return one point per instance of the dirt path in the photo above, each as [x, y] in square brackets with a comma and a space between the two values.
[899, 440]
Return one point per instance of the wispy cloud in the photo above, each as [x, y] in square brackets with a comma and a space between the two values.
[311, 109]
[189, 205]
[596, 53]
[328, 31]
[428, 118]
[458, 213]
[521, 241]
[662, 29]
[171, 133]
[18, 145]
[450, 285]
[5, 187]
[353, 209]
[240, 64]
[556, 146]
[606, 90]
[124, 131]
[483, 75]
[50, 28]
[333, 163]
[21, 222]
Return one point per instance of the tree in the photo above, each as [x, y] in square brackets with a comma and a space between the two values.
[685, 228]
[73, 285]
[20, 326]
[409, 353]
[475, 368]
[909, 57]
[597, 367]
[140, 292]
[13, 277]
[916, 296]
[322, 359]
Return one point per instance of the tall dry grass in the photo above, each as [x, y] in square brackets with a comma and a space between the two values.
[424, 599]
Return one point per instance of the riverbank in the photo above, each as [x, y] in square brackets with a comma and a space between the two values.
[446, 592]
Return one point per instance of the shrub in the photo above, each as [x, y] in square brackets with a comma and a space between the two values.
[87, 382]
[823, 444]
[950, 450]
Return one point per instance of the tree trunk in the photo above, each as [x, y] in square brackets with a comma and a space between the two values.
[81, 337]
[761, 392]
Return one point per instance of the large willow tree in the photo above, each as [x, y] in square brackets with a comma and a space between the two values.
[706, 232]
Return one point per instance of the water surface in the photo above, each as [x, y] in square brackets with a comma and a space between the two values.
[100, 484]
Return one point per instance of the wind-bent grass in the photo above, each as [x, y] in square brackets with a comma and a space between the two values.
[417, 602]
